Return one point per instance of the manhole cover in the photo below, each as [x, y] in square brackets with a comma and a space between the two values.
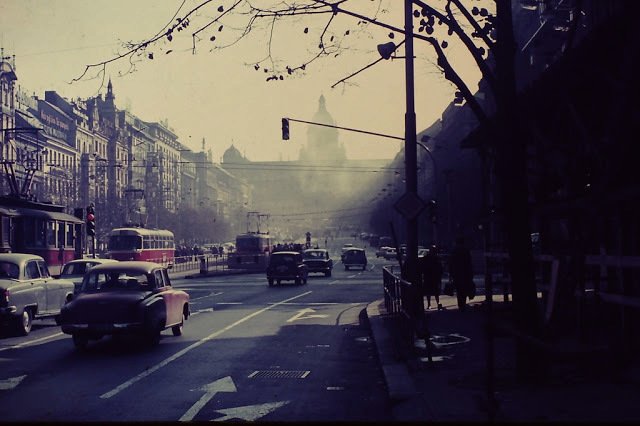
[279, 374]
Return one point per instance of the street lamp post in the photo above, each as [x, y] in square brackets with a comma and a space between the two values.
[411, 175]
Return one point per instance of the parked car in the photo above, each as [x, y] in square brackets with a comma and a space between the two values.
[391, 253]
[318, 260]
[355, 257]
[128, 297]
[286, 266]
[76, 269]
[28, 291]
[423, 252]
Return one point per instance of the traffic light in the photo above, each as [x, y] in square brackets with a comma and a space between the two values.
[91, 221]
[285, 129]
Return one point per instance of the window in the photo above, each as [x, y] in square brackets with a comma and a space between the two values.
[51, 233]
[69, 227]
[61, 232]
[32, 271]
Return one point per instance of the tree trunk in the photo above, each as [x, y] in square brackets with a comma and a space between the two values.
[511, 167]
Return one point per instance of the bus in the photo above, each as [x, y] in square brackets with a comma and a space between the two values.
[152, 245]
[252, 252]
[42, 229]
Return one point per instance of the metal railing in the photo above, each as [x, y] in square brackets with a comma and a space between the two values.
[400, 299]
[200, 262]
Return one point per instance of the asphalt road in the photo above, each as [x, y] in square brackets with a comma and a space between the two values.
[249, 352]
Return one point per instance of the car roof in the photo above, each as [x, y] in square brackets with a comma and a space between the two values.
[87, 260]
[355, 249]
[314, 249]
[284, 252]
[127, 265]
[18, 257]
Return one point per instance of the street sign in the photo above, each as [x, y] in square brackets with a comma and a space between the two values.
[409, 205]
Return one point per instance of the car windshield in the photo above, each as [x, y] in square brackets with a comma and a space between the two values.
[314, 254]
[9, 270]
[120, 280]
[282, 259]
[354, 254]
[78, 268]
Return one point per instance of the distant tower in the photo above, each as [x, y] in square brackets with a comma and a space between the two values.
[323, 145]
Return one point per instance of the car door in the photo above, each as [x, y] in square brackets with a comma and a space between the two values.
[54, 289]
[163, 286]
[37, 285]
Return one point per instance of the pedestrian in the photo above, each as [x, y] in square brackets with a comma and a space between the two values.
[461, 272]
[431, 274]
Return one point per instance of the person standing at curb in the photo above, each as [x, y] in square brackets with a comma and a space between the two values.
[431, 275]
[461, 272]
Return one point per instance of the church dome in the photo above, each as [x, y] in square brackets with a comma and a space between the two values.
[233, 155]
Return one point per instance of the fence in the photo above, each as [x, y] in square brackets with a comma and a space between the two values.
[202, 262]
[400, 300]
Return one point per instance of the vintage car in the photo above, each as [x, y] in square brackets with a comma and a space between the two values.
[128, 297]
[318, 260]
[381, 251]
[28, 291]
[286, 266]
[76, 269]
[391, 254]
[354, 257]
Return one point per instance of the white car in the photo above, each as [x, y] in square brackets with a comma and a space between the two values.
[76, 269]
[28, 291]
[391, 253]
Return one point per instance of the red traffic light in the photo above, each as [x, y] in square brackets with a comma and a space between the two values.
[90, 217]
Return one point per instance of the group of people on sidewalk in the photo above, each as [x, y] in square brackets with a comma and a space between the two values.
[460, 275]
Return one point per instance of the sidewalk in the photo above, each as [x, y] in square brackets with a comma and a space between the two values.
[454, 386]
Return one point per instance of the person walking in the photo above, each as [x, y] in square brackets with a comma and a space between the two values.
[431, 275]
[461, 272]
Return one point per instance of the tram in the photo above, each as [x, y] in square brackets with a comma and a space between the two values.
[39, 228]
[153, 245]
[252, 252]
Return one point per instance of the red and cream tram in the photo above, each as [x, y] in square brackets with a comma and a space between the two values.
[39, 228]
[154, 245]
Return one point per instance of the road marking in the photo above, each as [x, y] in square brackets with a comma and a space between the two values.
[11, 383]
[221, 385]
[31, 342]
[333, 282]
[200, 311]
[301, 315]
[182, 352]
[203, 297]
[229, 303]
[249, 412]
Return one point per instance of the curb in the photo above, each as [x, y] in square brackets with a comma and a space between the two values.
[400, 385]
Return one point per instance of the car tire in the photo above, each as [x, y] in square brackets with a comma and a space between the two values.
[298, 281]
[346, 268]
[177, 329]
[278, 282]
[327, 274]
[24, 322]
[270, 282]
[80, 341]
[304, 280]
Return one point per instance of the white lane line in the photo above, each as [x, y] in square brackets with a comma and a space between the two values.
[229, 303]
[204, 297]
[333, 282]
[178, 354]
[32, 342]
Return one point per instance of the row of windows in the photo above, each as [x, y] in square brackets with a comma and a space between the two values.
[41, 233]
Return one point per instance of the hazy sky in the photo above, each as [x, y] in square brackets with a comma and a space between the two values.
[217, 94]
